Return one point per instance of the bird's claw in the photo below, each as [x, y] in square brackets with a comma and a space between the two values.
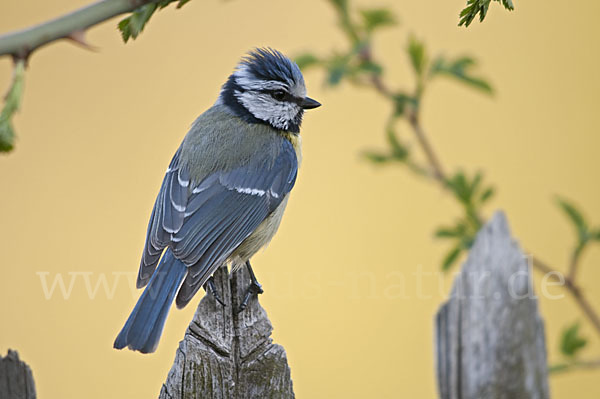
[212, 289]
[254, 289]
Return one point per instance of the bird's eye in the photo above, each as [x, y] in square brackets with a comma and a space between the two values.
[278, 95]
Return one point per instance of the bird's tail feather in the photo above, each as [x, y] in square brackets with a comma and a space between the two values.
[144, 326]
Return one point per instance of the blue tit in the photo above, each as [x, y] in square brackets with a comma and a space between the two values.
[225, 191]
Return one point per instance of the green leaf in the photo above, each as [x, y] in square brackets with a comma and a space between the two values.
[307, 60]
[445, 233]
[460, 69]
[460, 187]
[508, 4]
[475, 7]
[182, 3]
[376, 18]
[401, 100]
[557, 368]
[451, 257]
[467, 241]
[399, 151]
[341, 4]
[134, 24]
[335, 74]
[572, 212]
[474, 185]
[595, 235]
[471, 193]
[12, 102]
[7, 135]
[487, 194]
[370, 67]
[450, 232]
[576, 218]
[571, 342]
[140, 17]
[376, 157]
[345, 20]
[337, 68]
[418, 57]
[123, 26]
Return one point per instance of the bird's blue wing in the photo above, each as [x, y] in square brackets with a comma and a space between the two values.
[167, 217]
[204, 223]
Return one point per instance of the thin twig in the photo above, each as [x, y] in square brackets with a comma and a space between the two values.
[573, 288]
[574, 263]
[588, 364]
[583, 303]
[22, 43]
[438, 173]
[381, 87]
[542, 267]
[413, 118]
[576, 365]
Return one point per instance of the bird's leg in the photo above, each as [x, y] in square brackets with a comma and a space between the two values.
[209, 287]
[254, 289]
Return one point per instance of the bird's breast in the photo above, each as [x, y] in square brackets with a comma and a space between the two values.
[260, 237]
[296, 141]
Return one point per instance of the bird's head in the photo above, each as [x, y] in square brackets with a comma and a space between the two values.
[267, 87]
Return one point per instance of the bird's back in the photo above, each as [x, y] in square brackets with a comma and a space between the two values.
[244, 143]
[220, 141]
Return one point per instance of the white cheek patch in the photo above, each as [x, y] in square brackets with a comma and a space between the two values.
[280, 114]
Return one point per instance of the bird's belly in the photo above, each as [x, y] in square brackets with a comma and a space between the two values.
[260, 237]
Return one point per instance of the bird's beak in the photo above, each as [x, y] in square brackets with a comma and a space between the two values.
[309, 103]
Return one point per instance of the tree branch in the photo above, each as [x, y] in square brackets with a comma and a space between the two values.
[588, 364]
[583, 303]
[570, 284]
[573, 288]
[541, 266]
[413, 117]
[440, 177]
[432, 158]
[574, 263]
[574, 365]
[22, 43]
[380, 86]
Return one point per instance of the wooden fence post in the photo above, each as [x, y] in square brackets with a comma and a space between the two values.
[490, 336]
[16, 379]
[226, 355]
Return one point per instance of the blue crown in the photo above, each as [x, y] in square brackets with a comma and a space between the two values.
[270, 64]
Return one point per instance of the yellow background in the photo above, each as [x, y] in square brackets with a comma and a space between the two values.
[97, 130]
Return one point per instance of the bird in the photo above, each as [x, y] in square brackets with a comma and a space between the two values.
[224, 193]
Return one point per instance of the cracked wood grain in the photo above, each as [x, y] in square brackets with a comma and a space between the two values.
[490, 335]
[225, 355]
[16, 378]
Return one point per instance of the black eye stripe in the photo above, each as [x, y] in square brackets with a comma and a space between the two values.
[287, 96]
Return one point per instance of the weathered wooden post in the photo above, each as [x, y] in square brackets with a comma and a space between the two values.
[490, 336]
[229, 355]
[16, 379]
